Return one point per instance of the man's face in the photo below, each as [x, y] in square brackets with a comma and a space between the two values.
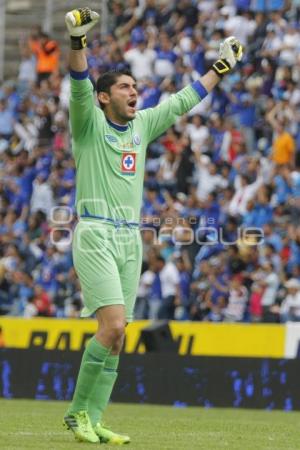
[121, 102]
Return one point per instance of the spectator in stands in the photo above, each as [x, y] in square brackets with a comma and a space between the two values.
[217, 295]
[237, 300]
[67, 295]
[170, 279]
[30, 309]
[25, 290]
[184, 267]
[236, 265]
[200, 306]
[46, 51]
[268, 253]
[270, 283]
[5, 300]
[42, 302]
[290, 307]
[27, 70]
[198, 134]
[283, 144]
[208, 176]
[155, 293]
[142, 305]
[7, 121]
[165, 58]
[245, 191]
[42, 195]
[129, 16]
[169, 163]
[33, 40]
[141, 59]
[255, 306]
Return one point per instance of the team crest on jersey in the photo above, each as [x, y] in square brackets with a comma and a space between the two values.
[110, 138]
[128, 166]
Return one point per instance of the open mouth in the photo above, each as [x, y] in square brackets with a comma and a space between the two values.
[132, 103]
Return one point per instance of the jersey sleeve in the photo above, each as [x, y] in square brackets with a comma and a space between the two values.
[158, 119]
[82, 104]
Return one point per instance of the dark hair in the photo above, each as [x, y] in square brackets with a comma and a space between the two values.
[44, 35]
[161, 259]
[109, 78]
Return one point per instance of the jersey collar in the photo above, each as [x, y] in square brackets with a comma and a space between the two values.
[116, 126]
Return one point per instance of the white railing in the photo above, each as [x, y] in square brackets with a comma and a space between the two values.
[2, 37]
[104, 17]
[48, 20]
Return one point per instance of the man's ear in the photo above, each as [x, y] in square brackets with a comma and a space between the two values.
[103, 98]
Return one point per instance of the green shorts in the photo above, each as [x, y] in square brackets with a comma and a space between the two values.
[108, 263]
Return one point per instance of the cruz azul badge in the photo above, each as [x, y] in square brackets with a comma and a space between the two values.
[128, 163]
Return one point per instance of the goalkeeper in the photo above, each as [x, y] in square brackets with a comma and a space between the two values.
[109, 147]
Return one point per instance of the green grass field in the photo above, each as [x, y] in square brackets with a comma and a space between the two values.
[37, 425]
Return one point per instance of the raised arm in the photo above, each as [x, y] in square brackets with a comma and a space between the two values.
[160, 118]
[78, 61]
[82, 105]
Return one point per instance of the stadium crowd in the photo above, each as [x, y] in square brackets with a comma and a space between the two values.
[220, 216]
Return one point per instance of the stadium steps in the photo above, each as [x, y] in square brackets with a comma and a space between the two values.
[22, 15]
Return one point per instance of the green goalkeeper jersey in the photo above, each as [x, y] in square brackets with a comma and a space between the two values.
[110, 159]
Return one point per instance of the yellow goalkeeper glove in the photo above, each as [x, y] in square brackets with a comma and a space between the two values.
[230, 52]
[79, 22]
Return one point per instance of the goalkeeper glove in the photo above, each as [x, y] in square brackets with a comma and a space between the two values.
[79, 22]
[231, 51]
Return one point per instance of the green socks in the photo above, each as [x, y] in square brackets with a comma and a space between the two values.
[101, 393]
[95, 382]
[91, 366]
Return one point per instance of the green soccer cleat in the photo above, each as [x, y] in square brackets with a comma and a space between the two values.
[81, 426]
[109, 437]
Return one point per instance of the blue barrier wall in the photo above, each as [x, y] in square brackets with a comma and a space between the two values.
[164, 378]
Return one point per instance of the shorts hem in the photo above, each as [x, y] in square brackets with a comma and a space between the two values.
[87, 312]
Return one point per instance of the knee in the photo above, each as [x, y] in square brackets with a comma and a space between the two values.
[117, 332]
[114, 333]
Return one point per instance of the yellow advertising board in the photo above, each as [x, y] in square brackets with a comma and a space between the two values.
[194, 338]
[220, 339]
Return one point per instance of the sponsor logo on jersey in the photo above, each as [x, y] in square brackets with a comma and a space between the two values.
[136, 139]
[110, 138]
[126, 146]
[128, 165]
